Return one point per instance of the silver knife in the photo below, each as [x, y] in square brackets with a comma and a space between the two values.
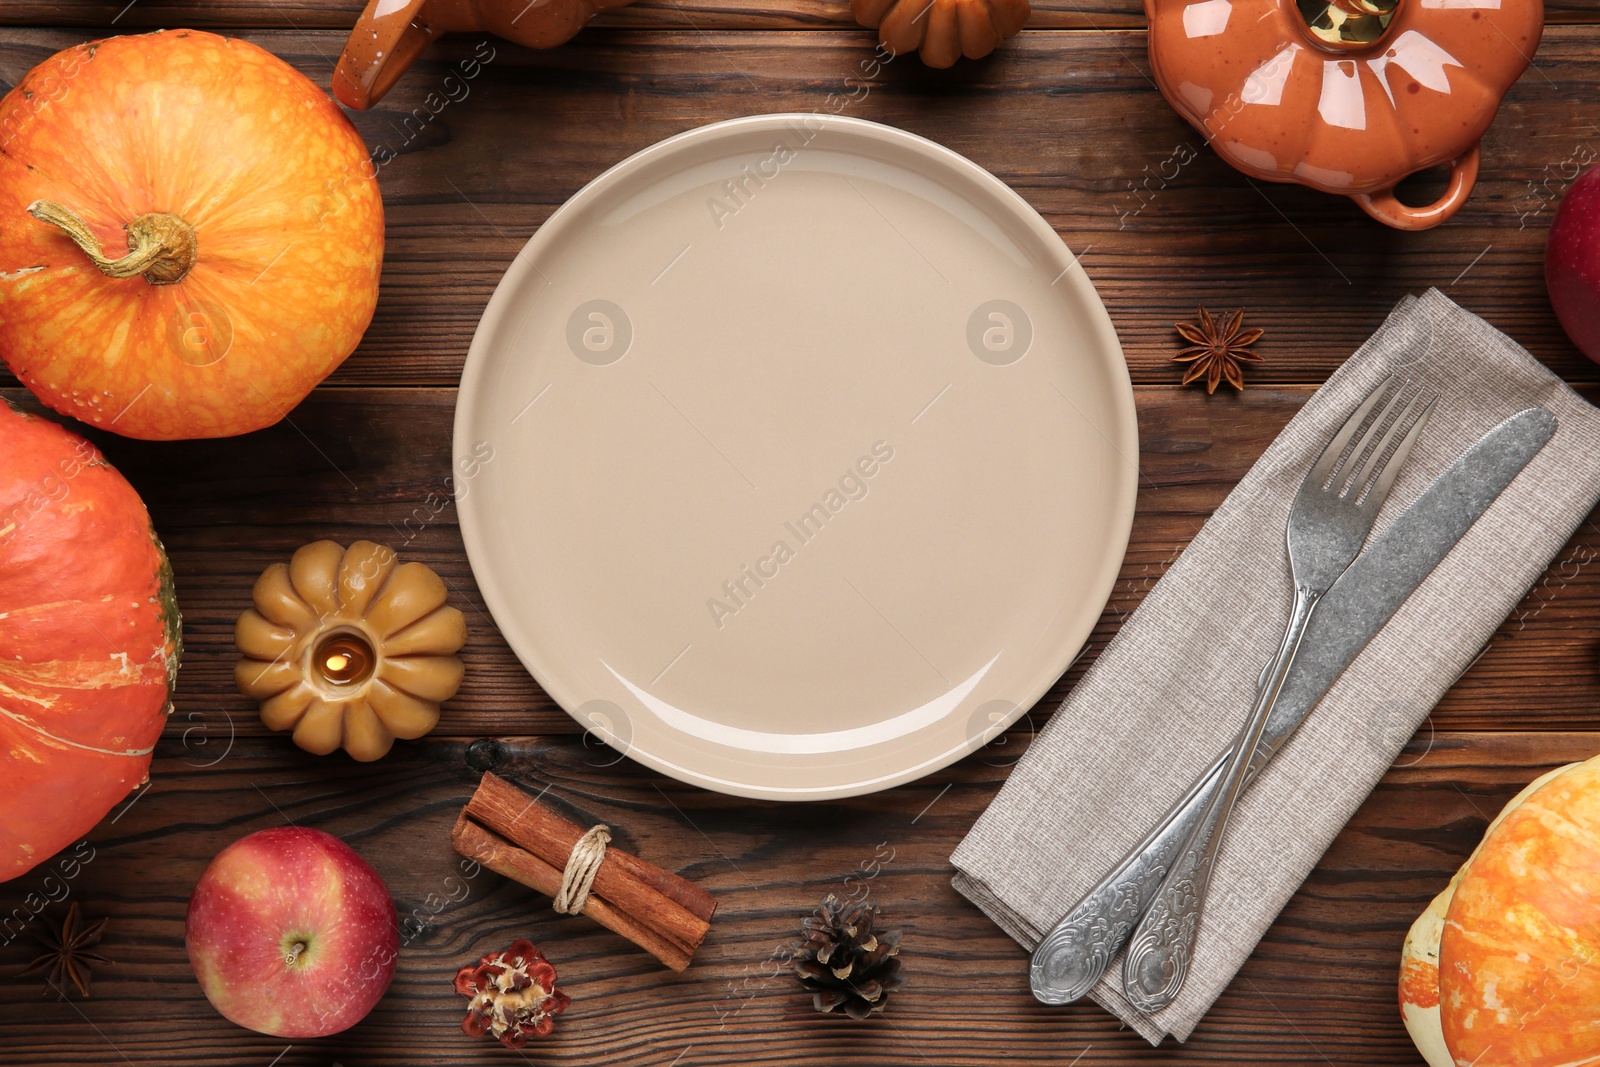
[1073, 955]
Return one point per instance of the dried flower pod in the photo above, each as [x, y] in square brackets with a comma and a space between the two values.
[348, 647]
[945, 30]
[513, 994]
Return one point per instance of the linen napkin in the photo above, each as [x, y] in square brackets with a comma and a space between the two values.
[1175, 684]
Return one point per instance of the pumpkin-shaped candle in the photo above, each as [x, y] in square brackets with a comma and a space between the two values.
[349, 648]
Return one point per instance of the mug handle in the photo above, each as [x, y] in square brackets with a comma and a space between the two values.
[1391, 212]
[387, 38]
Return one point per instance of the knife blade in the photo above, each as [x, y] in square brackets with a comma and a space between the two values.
[1076, 952]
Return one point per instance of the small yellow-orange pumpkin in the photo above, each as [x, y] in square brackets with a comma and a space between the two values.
[190, 235]
[1516, 938]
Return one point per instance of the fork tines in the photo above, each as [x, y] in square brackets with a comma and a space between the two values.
[1369, 450]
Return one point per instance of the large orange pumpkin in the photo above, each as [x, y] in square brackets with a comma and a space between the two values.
[190, 235]
[1518, 977]
[88, 639]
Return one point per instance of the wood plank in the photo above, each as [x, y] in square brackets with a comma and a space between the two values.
[651, 14]
[1321, 985]
[472, 183]
[372, 463]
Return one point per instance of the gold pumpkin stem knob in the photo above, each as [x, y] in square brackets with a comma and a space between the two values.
[349, 648]
[162, 248]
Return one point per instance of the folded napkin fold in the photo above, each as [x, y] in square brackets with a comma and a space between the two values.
[1174, 686]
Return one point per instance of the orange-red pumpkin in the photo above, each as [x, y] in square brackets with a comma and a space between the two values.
[190, 235]
[88, 639]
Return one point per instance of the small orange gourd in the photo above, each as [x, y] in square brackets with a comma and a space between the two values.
[943, 30]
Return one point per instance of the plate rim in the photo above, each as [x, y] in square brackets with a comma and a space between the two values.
[1122, 437]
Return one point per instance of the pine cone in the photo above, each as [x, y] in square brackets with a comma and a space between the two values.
[845, 964]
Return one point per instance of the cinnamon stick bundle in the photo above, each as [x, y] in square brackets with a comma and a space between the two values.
[514, 835]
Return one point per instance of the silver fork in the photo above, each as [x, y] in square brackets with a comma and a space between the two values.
[1329, 521]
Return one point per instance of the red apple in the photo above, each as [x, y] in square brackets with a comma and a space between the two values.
[292, 934]
[1572, 263]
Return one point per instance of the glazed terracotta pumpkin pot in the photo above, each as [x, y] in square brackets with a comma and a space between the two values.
[190, 235]
[1285, 102]
[88, 639]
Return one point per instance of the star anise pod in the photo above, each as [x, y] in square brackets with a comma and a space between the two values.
[70, 952]
[1216, 349]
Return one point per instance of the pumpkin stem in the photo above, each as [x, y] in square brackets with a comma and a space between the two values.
[161, 247]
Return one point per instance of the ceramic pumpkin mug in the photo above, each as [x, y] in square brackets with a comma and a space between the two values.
[391, 34]
[1351, 100]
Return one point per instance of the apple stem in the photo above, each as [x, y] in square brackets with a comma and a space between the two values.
[294, 953]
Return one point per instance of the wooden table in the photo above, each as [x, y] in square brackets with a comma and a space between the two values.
[1067, 115]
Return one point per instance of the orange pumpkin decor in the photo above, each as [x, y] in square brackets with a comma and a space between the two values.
[1368, 93]
[944, 30]
[190, 235]
[1512, 945]
[89, 639]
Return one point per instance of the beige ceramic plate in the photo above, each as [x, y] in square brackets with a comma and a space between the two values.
[795, 457]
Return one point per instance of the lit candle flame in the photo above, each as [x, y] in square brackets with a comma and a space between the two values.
[338, 662]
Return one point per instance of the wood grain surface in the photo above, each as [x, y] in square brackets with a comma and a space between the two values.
[1067, 115]
[123, 16]
[1319, 988]
[1070, 120]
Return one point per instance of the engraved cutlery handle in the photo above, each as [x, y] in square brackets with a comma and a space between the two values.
[1162, 947]
[1073, 955]
[1076, 952]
